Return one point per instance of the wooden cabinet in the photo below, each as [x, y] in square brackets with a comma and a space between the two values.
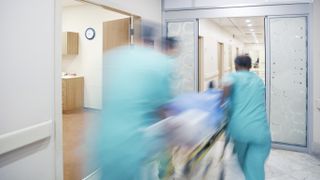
[72, 93]
[70, 43]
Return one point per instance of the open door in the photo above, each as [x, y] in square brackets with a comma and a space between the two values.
[121, 32]
[116, 33]
[201, 68]
[230, 63]
[287, 80]
[220, 56]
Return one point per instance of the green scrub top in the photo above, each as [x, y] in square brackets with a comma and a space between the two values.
[248, 120]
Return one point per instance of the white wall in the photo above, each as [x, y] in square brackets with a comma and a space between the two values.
[88, 62]
[315, 146]
[257, 51]
[147, 9]
[27, 84]
[212, 34]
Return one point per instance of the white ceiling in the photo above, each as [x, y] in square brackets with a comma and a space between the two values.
[67, 3]
[241, 29]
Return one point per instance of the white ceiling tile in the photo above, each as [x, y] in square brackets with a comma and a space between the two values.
[239, 27]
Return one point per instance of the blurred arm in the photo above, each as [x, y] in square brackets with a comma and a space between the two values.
[226, 94]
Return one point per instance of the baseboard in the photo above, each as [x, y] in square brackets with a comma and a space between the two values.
[315, 149]
[92, 109]
[95, 175]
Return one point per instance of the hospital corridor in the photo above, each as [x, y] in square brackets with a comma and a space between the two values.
[160, 90]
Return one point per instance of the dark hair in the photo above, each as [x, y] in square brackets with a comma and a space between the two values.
[149, 32]
[169, 43]
[243, 61]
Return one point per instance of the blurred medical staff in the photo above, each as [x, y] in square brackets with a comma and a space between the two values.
[136, 82]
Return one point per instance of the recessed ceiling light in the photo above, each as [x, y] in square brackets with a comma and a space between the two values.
[249, 25]
[248, 20]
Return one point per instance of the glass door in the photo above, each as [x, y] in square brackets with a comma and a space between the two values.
[186, 63]
[287, 85]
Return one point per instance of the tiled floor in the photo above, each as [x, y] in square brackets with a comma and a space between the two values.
[281, 165]
[292, 165]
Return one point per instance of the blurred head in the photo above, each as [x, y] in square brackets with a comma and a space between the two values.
[149, 33]
[242, 62]
[170, 45]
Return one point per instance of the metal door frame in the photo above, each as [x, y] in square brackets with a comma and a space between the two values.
[304, 9]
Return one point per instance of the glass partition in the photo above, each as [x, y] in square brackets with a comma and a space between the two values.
[186, 66]
[288, 80]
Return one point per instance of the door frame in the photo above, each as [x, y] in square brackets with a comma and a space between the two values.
[201, 64]
[57, 133]
[220, 58]
[262, 10]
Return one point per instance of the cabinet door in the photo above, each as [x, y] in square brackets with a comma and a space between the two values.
[78, 94]
[69, 98]
[64, 94]
[72, 93]
[70, 43]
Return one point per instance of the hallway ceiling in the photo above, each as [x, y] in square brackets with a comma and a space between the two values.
[249, 30]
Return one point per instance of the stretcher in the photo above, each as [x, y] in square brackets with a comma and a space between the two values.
[188, 165]
[197, 124]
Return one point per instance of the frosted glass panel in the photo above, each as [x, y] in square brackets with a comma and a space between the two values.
[288, 80]
[185, 62]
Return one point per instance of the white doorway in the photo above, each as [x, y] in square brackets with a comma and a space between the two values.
[226, 38]
[268, 12]
[88, 31]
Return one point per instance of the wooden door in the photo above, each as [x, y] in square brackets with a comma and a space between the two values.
[220, 60]
[116, 33]
[230, 69]
[201, 69]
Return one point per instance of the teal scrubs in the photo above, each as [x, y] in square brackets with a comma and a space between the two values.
[248, 125]
[136, 81]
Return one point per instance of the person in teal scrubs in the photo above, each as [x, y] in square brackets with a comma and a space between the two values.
[136, 82]
[248, 125]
